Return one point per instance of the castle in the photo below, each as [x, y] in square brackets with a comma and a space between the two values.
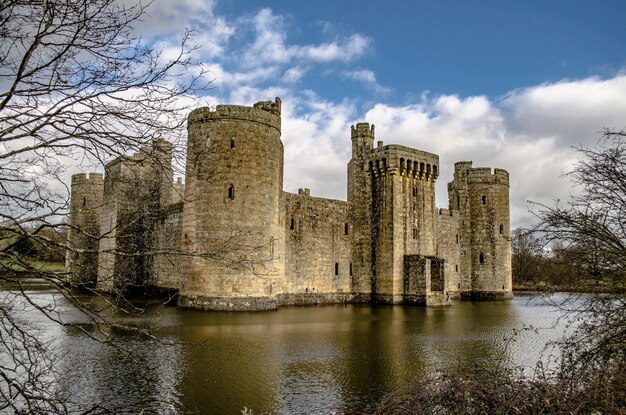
[230, 238]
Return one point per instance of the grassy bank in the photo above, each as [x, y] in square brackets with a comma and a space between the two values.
[578, 288]
[42, 266]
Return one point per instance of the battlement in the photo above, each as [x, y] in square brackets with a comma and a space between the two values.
[485, 175]
[304, 192]
[263, 112]
[362, 129]
[461, 167]
[87, 178]
[400, 160]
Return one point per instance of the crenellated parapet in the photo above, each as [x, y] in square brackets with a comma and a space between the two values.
[263, 112]
[484, 175]
[403, 161]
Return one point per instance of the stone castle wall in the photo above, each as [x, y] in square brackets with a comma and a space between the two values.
[449, 249]
[318, 255]
[168, 258]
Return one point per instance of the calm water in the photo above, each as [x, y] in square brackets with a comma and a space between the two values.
[294, 360]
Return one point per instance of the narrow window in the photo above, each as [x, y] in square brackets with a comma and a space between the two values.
[231, 192]
[293, 224]
[457, 238]
[414, 233]
[484, 200]
[481, 258]
[415, 192]
[336, 268]
[345, 228]
[503, 286]
[501, 229]
[459, 286]
[232, 144]
[350, 268]
[456, 268]
[84, 201]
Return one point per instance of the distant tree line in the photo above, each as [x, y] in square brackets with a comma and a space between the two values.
[560, 264]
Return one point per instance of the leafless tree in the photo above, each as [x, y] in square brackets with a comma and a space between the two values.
[526, 256]
[77, 87]
[592, 229]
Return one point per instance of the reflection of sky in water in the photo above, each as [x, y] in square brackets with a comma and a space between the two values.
[311, 359]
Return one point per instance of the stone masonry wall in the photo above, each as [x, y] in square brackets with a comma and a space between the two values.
[449, 249]
[167, 261]
[84, 234]
[318, 257]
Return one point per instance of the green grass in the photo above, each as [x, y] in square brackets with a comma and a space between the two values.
[38, 265]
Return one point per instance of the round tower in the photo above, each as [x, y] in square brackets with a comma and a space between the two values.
[84, 235]
[232, 228]
[488, 196]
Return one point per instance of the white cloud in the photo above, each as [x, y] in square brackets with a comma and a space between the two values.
[368, 78]
[270, 44]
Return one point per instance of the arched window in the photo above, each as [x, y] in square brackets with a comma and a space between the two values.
[481, 258]
[231, 192]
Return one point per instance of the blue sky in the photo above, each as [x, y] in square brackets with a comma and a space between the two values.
[457, 47]
[509, 84]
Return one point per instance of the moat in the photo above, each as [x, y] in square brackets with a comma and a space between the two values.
[293, 360]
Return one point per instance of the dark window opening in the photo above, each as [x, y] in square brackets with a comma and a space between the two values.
[232, 144]
[459, 286]
[293, 224]
[501, 229]
[414, 233]
[84, 201]
[481, 258]
[456, 268]
[231, 192]
[350, 268]
[415, 192]
[503, 286]
[336, 268]
[345, 228]
[457, 238]
[484, 200]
